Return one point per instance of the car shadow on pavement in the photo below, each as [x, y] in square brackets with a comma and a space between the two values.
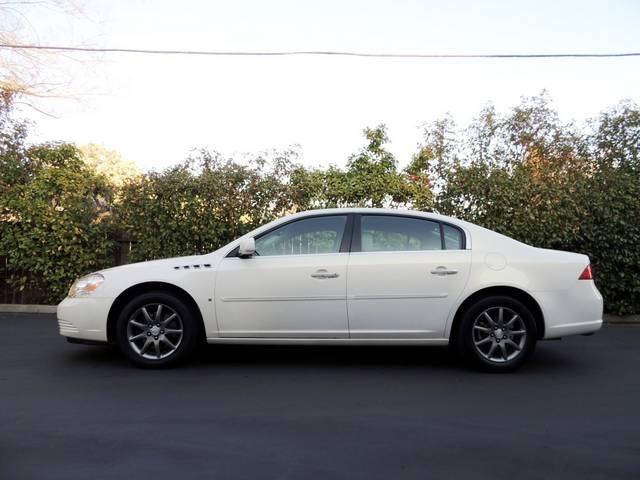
[546, 358]
[309, 355]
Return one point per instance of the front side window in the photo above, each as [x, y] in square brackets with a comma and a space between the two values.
[380, 233]
[304, 237]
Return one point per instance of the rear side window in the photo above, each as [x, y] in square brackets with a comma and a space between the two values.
[380, 233]
[452, 237]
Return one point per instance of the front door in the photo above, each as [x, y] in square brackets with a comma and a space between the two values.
[405, 273]
[293, 287]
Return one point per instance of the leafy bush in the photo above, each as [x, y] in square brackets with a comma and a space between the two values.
[54, 220]
[548, 184]
[525, 174]
[207, 201]
[371, 179]
[202, 204]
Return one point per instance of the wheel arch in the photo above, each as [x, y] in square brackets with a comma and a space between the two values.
[140, 288]
[514, 292]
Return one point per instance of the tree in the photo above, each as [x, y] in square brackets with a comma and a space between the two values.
[54, 220]
[611, 230]
[203, 203]
[547, 183]
[370, 179]
[109, 163]
[26, 71]
[13, 134]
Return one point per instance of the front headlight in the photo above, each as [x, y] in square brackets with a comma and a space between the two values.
[86, 285]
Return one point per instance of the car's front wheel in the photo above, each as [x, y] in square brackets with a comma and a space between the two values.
[497, 334]
[157, 329]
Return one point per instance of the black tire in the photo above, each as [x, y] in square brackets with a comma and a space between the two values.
[184, 319]
[476, 329]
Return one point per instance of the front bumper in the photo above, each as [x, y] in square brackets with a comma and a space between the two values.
[84, 318]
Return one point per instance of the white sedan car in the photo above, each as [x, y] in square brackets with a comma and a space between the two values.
[343, 276]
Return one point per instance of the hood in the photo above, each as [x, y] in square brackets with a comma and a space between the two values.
[191, 261]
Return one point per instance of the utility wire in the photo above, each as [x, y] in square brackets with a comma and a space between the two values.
[222, 53]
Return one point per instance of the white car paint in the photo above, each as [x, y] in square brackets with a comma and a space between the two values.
[276, 296]
[375, 297]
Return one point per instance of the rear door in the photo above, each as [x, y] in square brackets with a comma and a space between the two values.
[405, 273]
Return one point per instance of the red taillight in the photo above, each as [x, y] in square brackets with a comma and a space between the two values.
[587, 273]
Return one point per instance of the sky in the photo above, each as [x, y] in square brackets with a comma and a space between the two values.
[156, 109]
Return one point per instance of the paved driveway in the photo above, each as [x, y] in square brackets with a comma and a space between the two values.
[71, 411]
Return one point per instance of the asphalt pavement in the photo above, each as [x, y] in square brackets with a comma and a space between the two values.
[283, 412]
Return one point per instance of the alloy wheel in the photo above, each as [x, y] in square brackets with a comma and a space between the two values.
[499, 334]
[155, 331]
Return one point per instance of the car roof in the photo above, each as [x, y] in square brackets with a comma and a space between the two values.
[385, 211]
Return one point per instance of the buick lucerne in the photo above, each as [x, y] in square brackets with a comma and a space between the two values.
[343, 276]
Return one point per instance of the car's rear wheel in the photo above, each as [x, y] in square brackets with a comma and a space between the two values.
[157, 329]
[497, 334]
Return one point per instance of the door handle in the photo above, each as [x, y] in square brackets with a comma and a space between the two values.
[324, 274]
[443, 271]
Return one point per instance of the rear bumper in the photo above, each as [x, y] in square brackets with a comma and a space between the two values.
[576, 311]
[578, 328]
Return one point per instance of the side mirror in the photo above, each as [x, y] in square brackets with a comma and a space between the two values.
[247, 247]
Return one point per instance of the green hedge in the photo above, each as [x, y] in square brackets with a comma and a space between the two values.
[201, 204]
[54, 221]
[548, 184]
[524, 173]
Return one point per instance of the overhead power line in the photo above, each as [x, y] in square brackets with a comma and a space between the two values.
[230, 53]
